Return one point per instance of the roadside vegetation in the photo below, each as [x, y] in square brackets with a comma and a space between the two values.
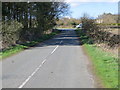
[105, 63]
[17, 48]
[105, 66]
[26, 23]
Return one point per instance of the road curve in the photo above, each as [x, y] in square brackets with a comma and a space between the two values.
[55, 63]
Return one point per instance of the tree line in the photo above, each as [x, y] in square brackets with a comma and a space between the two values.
[68, 22]
[25, 21]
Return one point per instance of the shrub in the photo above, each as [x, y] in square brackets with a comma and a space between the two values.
[10, 33]
[98, 35]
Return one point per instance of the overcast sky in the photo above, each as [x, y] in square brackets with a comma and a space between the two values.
[92, 7]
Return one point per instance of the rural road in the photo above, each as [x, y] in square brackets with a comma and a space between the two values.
[56, 63]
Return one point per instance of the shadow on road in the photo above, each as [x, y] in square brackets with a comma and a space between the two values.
[66, 38]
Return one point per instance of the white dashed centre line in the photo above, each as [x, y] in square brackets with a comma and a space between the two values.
[54, 49]
[29, 77]
[61, 42]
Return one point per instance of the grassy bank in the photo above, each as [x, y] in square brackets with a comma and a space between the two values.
[105, 66]
[15, 49]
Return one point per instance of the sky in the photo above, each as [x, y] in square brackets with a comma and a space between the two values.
[92, 7]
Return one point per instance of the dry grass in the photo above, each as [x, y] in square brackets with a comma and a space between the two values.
[106, 48]
[113, 30]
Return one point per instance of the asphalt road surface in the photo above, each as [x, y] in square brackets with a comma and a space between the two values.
[55, 63]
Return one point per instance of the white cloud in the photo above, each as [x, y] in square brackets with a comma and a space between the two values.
[70, 1]
[74, 4]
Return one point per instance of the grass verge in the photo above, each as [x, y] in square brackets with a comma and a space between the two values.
[106, 66]
[15, 49]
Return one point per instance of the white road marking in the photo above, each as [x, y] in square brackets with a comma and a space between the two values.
[29, 77]
[54, 49]
[61, 42]
[44, 61]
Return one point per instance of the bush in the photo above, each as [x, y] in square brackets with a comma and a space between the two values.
[98, 35]
[10, 33]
